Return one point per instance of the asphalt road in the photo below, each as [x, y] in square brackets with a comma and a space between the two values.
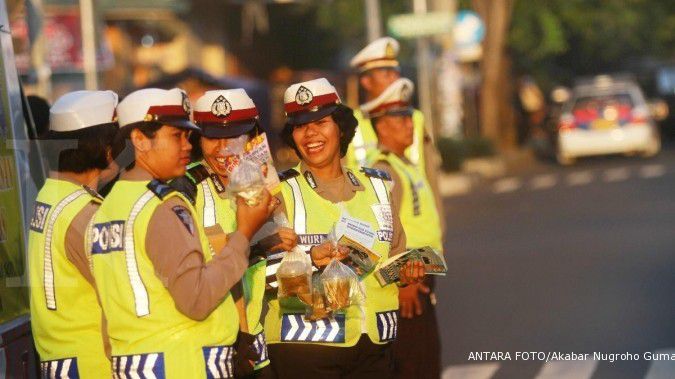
[574, 259]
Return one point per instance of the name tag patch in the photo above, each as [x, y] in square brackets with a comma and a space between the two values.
[107, 237]
[39, 219]
[311, 239]
[294, 327]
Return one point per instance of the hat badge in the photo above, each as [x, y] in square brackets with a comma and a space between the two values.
[303, 96]
[389, 50]
[186, 103]
[221, 107]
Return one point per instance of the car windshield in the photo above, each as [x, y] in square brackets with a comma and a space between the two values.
[610, 106]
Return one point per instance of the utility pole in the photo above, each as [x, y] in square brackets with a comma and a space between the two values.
[373, 19]
[423, 71]
[88, 44]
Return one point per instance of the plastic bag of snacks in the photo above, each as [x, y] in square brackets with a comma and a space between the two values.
[247, 181]
[317, 308]
[233, 152]
[295, 275]
[341, 286]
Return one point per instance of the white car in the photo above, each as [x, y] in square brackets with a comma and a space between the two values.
[606, 116]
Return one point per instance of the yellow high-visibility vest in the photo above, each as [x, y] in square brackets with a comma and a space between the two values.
[313, 216]
[65, 313]
[418, 212]
[148, 334]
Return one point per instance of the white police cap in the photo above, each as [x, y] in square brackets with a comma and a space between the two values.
[225, 113]
[82, 109]
[381, 53]
[394, 100]
[170, 107]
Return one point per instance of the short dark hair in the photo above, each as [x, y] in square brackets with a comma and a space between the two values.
[343, 117]
[198, 154]
[91, 149]
[123, 140]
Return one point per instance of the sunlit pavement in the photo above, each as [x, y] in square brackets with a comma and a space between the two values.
[562, 260]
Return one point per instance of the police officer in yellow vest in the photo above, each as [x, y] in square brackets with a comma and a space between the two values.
[66, 318]
[223, 115]
[316, 194]
[417, 350]
[377, 65]
[164, 291]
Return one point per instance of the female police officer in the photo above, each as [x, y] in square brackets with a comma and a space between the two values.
[316, 194]
[164, 292]
[223, 115]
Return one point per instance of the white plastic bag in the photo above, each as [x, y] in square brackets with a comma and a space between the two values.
[247, 181]
[340, 285]
[294, 275]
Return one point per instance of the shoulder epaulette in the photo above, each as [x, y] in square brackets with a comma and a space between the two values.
[376, 173]
[288, 174]
[93, 193]
[160, 189]
[197, 173]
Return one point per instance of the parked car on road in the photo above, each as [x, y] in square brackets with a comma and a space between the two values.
[606, 115]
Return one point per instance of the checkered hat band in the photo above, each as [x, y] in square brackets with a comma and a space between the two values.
[234, 115]
[317, 101]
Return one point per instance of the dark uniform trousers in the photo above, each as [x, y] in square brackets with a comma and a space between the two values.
[417, 349]
[365, 360]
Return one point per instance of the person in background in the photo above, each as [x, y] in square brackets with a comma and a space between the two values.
[417, 348]
[66, 319]
[165, 292]
[378, 67]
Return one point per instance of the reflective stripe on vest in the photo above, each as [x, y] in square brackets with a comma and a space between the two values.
[209, 205]
[140, 292]
[218, 361]
[260, 347]
[48, 281]
[59, 369]
[141, 366]
[294, 328]
[299, 213]
[387, 325]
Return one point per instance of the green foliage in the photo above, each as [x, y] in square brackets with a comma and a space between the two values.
[557, 40]
[454, 151]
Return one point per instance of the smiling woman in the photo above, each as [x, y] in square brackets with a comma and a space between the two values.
[326, 197]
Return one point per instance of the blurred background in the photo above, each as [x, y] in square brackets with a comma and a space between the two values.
[554, 121]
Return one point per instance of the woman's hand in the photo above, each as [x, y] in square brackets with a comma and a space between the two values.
[412, 272]
[324, 253]
[288, 239]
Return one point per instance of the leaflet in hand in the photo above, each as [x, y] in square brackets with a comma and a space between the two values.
[258, 151]
[434, 264]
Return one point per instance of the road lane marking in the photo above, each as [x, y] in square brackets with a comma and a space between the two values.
[506, 185]
[567, 370]
[545, 181]
[661, 369]
[453, 185]
[616, 174]
[579, 178]
[470, 371]
[652, 171]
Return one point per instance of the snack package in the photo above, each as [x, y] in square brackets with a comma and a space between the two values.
[341, 285]
[317, 309]
[233, 152]
[257, 150]
[295, 275]
[247, 181]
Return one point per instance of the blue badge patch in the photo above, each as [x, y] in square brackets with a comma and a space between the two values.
[143, 366]
[39, 219]
[218, 360]
[387, 325]
[376, 173]
[107, 237]
[185, 218]
[295, 328]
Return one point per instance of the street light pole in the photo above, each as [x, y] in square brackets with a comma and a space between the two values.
[423, 71]
[88, 44]
[373, 19]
